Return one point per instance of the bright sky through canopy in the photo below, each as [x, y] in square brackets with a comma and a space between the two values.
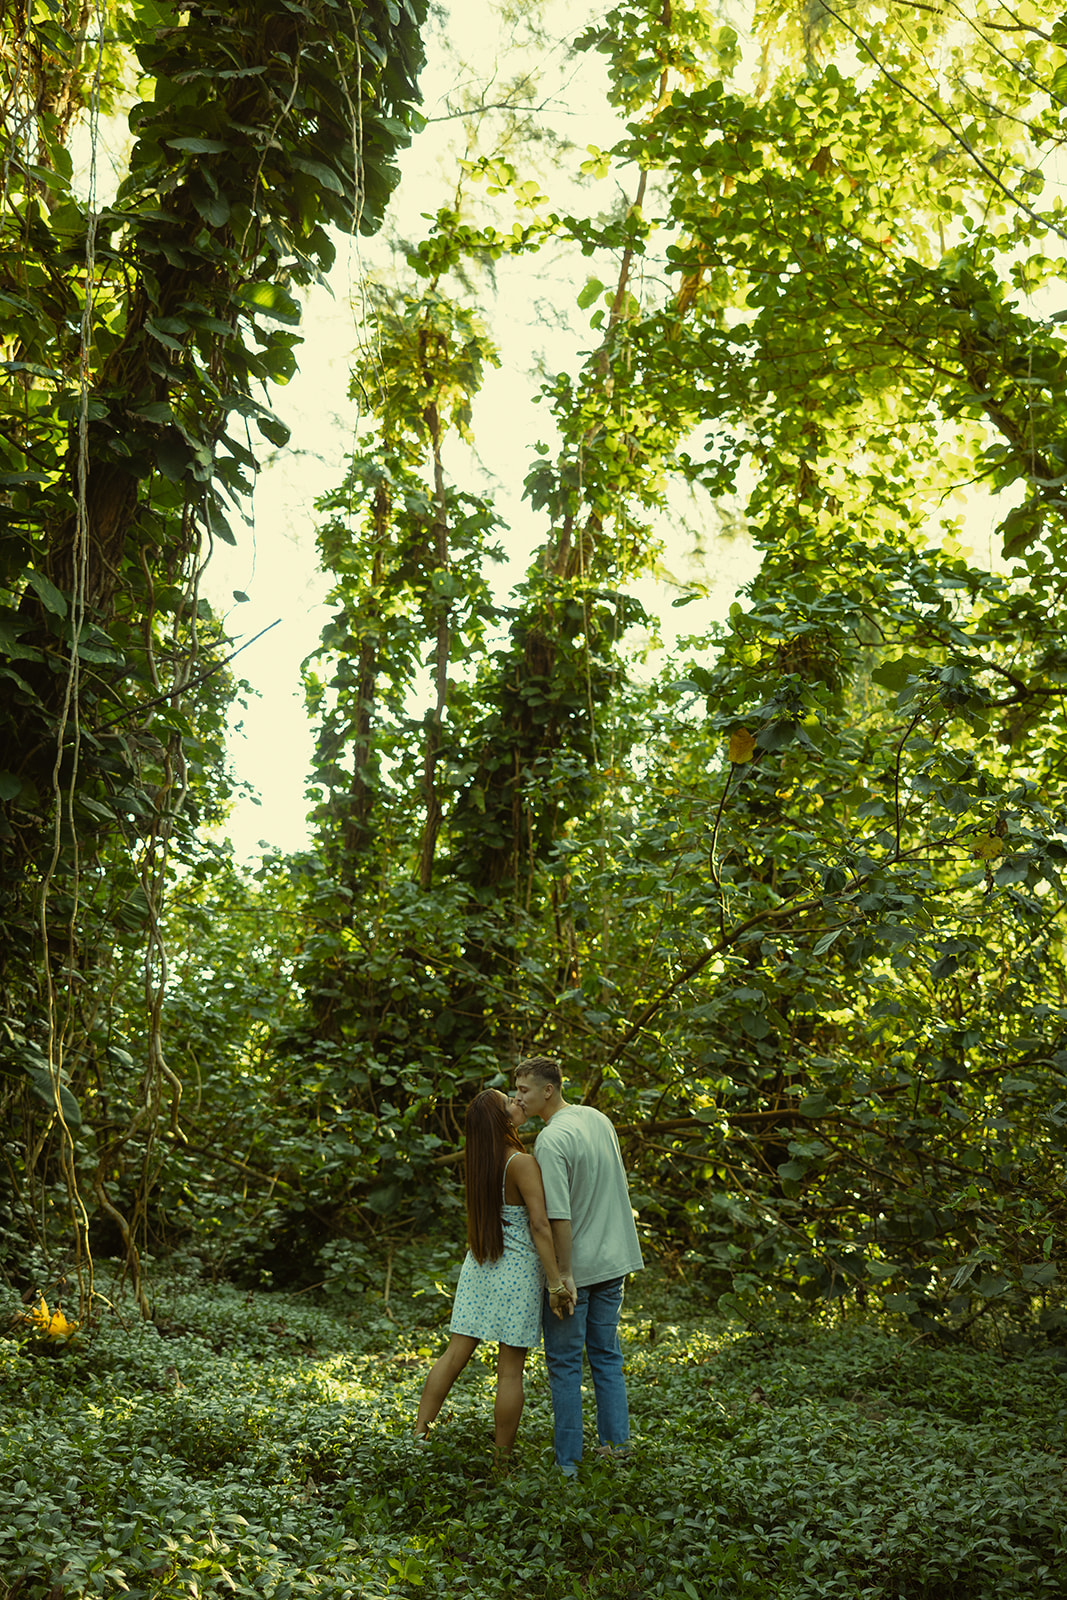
[532, 316]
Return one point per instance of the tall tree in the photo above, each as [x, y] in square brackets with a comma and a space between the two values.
[139, 336]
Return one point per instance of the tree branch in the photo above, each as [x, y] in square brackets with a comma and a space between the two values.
[191, 683]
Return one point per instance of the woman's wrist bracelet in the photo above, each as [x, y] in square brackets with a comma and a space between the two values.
[559, 1289]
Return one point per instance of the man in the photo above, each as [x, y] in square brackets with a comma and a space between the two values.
[593, 1230]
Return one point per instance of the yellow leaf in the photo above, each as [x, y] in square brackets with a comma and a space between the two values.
[742, 744]
[51, 1325]
[59, 1329]
[40, 1316]
[987, 847]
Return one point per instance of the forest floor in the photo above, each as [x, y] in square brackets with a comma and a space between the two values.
[258, 1444]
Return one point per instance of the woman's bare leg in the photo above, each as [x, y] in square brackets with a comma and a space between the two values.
[510, 1361]
[442, 1375]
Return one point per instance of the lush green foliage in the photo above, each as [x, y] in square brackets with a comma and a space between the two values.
[788, 900]
[791, 910]
[254, 1444]
[140, 330]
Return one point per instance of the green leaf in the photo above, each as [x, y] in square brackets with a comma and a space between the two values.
[217, 522]
[325, 175]
[895, 674]
[173, 457]
[1041, 1274]
[40, 1081]
[778, 735]
[95, 808]
[155, 411]
[49, 595]
[197, 146]
[592, 291]
[214, 208]
[88, 651]
[70, 408]
[274, 429]
[32, 367]
[270, 299]
[160, 336]
[900, 1302]
[1013, 871]
[10, 645]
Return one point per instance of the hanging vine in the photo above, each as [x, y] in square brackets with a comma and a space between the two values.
[139, 336]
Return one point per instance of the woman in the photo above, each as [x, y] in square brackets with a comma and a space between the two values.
[509, 1256]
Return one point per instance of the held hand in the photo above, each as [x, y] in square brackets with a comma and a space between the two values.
[565, 1297]
[572, 1291]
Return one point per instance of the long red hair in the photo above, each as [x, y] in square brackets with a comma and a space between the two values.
[491, 1138]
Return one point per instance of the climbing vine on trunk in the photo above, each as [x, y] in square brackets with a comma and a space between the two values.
[141, 333]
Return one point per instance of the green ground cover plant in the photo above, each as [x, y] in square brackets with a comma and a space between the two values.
[250, 1443]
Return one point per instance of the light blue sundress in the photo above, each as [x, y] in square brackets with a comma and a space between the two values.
[501, 1300]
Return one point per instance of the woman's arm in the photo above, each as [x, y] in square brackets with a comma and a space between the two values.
[561, 1240]
[531, 1189]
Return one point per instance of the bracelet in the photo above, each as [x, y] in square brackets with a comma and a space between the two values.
[559, 1289]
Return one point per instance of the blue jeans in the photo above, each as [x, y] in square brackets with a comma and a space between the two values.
[594, 1326]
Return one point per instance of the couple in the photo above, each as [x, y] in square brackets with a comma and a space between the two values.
[560, 1226]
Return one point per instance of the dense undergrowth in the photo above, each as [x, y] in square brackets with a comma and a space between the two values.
[257, 1444]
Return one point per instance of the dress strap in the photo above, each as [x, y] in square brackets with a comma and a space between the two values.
[504, 1179]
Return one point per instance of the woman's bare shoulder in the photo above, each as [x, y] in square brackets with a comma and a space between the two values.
[525, 1169]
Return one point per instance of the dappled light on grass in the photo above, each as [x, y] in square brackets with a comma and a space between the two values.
[260, 1445]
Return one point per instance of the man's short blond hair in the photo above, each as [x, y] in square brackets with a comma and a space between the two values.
[544, 1068]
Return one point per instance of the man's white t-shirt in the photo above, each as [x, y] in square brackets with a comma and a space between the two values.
[585, 1185]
